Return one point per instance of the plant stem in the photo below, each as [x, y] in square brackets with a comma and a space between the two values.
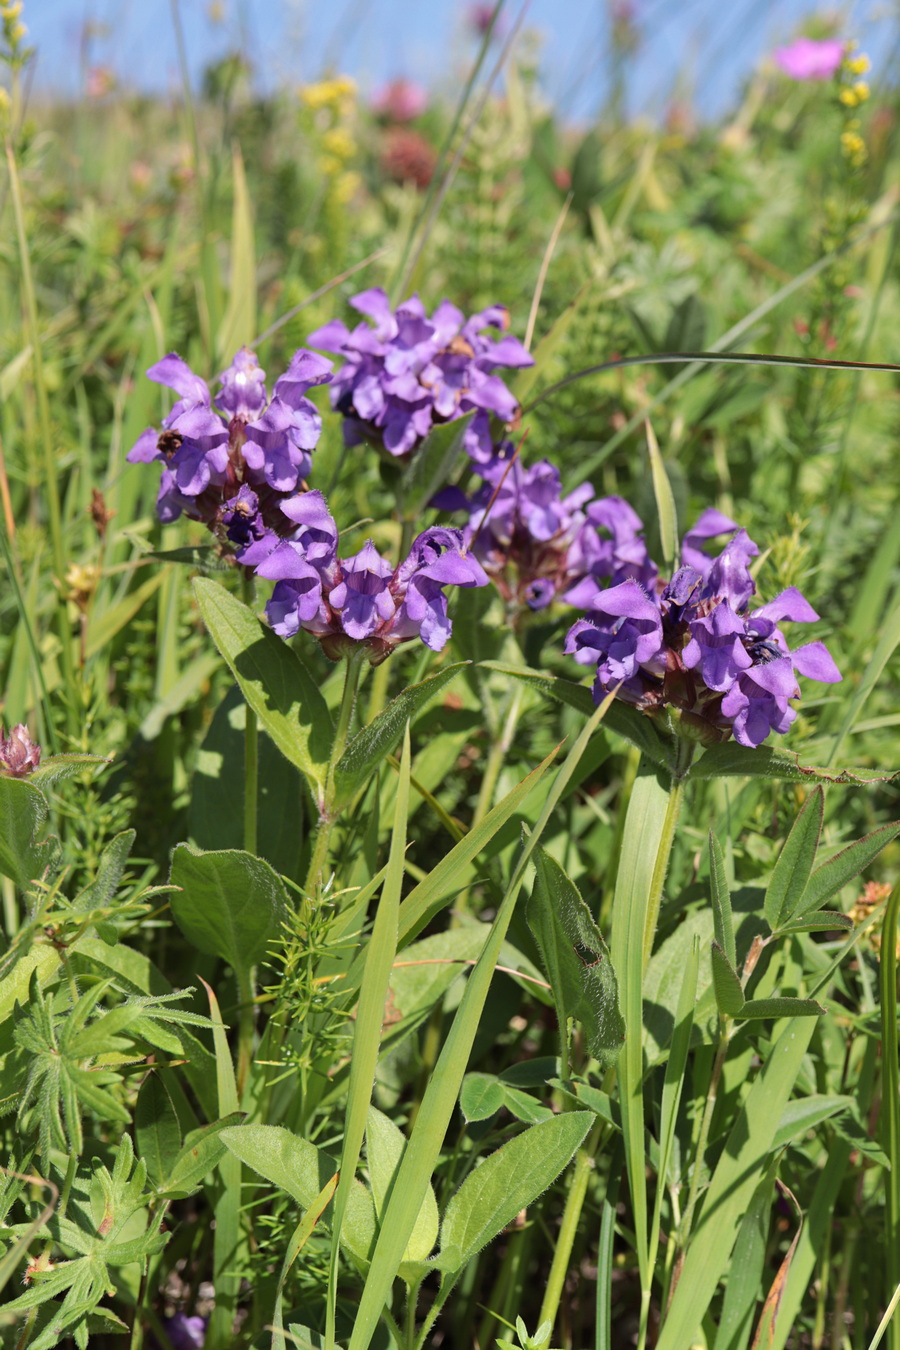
[492, 769]
[246, 1020]
[251, 742]
[327, 814]
[890, 1094]
[51, 484]
[556, 1280]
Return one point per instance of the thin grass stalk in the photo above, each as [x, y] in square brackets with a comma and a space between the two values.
[51, 484]
[45, 718]
[226, 1235]
[447, 181]
[568, 1228]
[380, 952]
[891, 1100]
[251, 741]
[352, 670]
[542, 274]
[402, 269]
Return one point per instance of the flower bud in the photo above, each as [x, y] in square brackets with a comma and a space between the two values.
[19, 755]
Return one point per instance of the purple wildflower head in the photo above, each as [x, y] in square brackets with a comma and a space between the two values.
[19, 754]
[184, 1332]
[400, 101]
[693, 643]
[810, 59]
[407, 372]
[362, 599]
[232, 460]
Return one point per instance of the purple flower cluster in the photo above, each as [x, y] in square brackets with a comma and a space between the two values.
[232, 460]
[363, 598]
[537, 544]
[410, 372]
[19, 754]
[692, 641]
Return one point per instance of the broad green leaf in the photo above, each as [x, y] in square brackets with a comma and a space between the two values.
[231, 904]
[217, 791]
[523, 1105]
[626, 722]
[201, 1151]
[227, 1209]
[665, 502]
[745, 1275]
[385, 1144]
[368, 749]
[834, 875]
[273, 680]
[576, 959]
[239, 322]
[481, 1096]
[156, 1129]
[805, 1113]
[431, 465]
[730, 760]
[795, 862]
[734, 1180]
[23, 815]
[826, 921]
[507, 1182]
[298, 1167]
[781, 1007]
[721, 900]
[727, 985]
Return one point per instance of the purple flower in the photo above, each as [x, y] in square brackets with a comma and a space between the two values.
[231, 461]
[809, 59]
[363, 598]
[185, 1333]
[692, 642]
[19, 754]
[407, 372]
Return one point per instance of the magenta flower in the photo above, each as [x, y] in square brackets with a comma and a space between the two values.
[364, 598]
[693, 643]
[400, 101]
[810, 59]
[19, 754]
[231, 461]
[408, 372]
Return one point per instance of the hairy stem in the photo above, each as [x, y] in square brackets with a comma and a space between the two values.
[328, 815]
[251, 742]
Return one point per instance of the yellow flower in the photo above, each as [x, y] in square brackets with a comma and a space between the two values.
[12, 9]
[339, 142]
[858, 65]
[854, 148]
[849, 98]
[329, 166]
[861, 90]
[346, 187]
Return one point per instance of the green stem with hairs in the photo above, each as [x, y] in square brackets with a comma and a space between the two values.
[328, 815]
[890, 1094]
[251, 742]
[559, 1269]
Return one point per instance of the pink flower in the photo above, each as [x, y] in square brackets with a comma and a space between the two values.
[809, 59]
[400, 101]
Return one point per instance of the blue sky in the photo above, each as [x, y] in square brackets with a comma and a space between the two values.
[709, 44]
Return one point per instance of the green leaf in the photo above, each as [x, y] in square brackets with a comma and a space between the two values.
[665, 502]
[156, 1129]
[296, 1166]
[825, 922]
[745, 1276]
[721, 900]
[23, 815]
[273, 680]
[834, 875]
[576, 959]
[201, 1151]
[385, 1145]
[431, 465]
[727, 985]
[217, 791]
[780, 1007]
[795, 862]
[626, 722]
[110, 870]
[231, 904]
[507, 1182]
[368, 749]
[734, 1180]
[729, 760]
[480, 1097]
[805, 1113]
[239, 322]
[52, 768]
